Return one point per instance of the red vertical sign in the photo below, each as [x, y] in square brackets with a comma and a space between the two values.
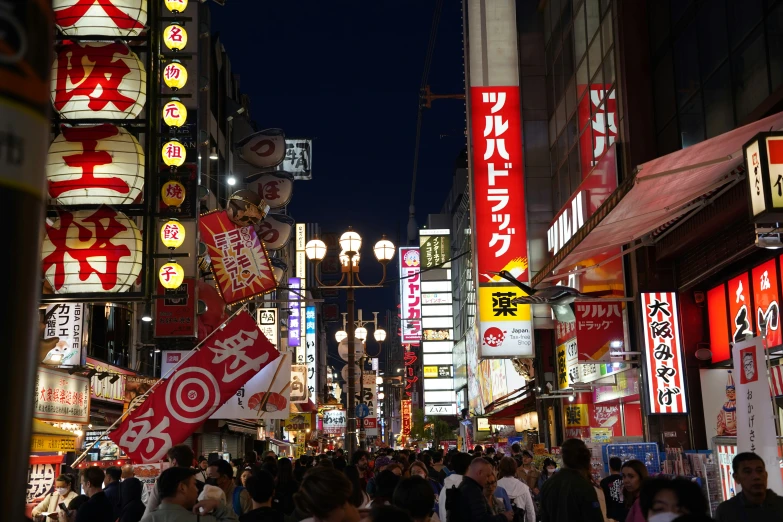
[663, 355]
[717, 310]
[766, 301]
[740, 311]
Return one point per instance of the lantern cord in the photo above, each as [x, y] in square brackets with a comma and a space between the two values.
[152, 388]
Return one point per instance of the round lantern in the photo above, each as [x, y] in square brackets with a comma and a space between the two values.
[113, 18]
[98, 80]
[171, 275]
[91, 251]
[358, 349]
[172, 234]
[174, 114]
[95, 164]
[175, 76]
[176, 6]
[173, 193]
[173, 154]
[175, 37]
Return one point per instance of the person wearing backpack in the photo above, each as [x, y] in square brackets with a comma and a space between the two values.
[459, 465]
[221, 474]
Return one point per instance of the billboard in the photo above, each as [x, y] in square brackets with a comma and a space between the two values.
[410, 294]
[664, 363]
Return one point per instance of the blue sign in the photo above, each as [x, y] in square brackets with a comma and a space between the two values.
[362, 411]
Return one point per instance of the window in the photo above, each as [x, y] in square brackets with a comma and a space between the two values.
[568, 55]
[718, 107]
[668, 140]
[686, 65]
[580, 35]
[593, 18]
[659, 23]
[744, 16]
[749, 70]
[594, 56]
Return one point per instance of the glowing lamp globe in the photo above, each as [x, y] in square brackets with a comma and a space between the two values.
[94, 164]
[174, 114]
[315, 250]
[173, 193]
[175, 37]
[175, 75]
[350, 241]
[173, 154]
[361, 333]
[172, 234]
[176, 6]
[384, 250]
[171, 275]
[380, 335]
[108, 18]
[340, 336]
[519, 423]
[104, 80]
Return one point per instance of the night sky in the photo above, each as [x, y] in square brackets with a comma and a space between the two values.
[347, 74]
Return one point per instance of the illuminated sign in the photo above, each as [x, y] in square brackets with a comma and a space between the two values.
[171, 275]
[405, 412]
[174, 114]
[114, 18]
[173, 154]
[764, 165]
[173, 193]
[665, 366]
[172, 234]
[506, 329]
[410, 295]
[567, 223]
[175, 37]
[175, 75]
[294, 325]
[310, 352]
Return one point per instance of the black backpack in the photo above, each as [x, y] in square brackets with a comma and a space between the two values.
[453, 497]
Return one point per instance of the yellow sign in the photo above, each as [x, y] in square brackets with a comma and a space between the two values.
[576, 416]
[176, 6]
[601, 435]
[539, 449]
[47, 443]
[567, 365]
[175, 37]
[299, 422]
[175, 114]
[172, 234]
[495, 304]
[171, 275]
[430, 371]
[173, 193]
[175, 76]
[173, 154]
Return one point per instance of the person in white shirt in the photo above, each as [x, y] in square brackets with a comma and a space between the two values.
[63, 494]
[517, 490]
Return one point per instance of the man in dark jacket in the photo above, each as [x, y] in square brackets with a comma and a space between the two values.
[471, 504]
[569, 496]
[111, 487]
[261, 487]
[98, 508]
[131, 506]
[755, 501]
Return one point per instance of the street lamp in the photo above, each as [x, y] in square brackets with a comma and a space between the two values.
[350, 244]
[340, 336]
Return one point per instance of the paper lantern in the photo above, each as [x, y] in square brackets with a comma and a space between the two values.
[175, 76]
[174, 114]
[93, 165]
[121, 18]
[172, 234]
[91, 251]
[175, 37]
[275, 187]
[176, 6]
[519, 423]
[98, 80]
[275, 231]
[173, 193]
[263, 149]
[171, 275]
[173, 153]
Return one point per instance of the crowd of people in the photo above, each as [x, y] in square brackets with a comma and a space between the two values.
[403, 486]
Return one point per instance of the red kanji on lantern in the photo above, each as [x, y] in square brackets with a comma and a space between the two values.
[173, 151]
[174, 191]
[175, 34]
[168, 272]
[171, 111]
[69, 16]
[171, 72]
[170, 232]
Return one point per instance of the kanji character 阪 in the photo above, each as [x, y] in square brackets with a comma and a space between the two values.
[233, 349]
[140, 431]
[661, 329]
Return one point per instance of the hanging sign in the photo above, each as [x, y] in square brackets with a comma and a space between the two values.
[171, 275]
[310, 351]
[116, 18]
[506, 327]
[294, 317]
[175, 315]
[263, 149]
[175, 75]
[175, 37]
[764, 165]
[67, 325]
[405, 412]
[299, 383]
[766, 300]
[261, 397]
[298, 158]
[267, 321]
[599, 330]
[276, 188]
[410, 290]
[275, 231]
[334, 422]
[61, 397]
[435, 250]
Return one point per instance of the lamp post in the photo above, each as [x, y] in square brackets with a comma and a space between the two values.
[350, 243]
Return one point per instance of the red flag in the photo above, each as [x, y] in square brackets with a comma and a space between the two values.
[198, 387]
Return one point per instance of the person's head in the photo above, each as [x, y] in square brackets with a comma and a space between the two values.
[396, 468]
[515, 448]
[113, 474]
[130, 491]
[415, 496]
[750, 473]
[460, 463]
[177, 485]
[388, 514]
[356, 498]
[634, 474]
[339, 463]
[325, 493]
[478, 450]
[220, 474]
[491, 484]
[339, 452]
[663, 499]
[490, 452]
[261, 486]
[127, 472]
[243, 476]
[549, 467]
[385, 483]
[326, 463]
[480, 471]
[507, 467]
[527, 458]
[426, 458]
[575, 454]
[251, 458]
[437, 457]
[75, 504]
[418, 469]
[92, 480]
[361, 460]
[270, 453]
[63, 485]
[285, 471]
[202, 463]
[381, 463]
[180, 455]
[615, 465]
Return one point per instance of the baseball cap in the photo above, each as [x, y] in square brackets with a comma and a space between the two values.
[171, 478]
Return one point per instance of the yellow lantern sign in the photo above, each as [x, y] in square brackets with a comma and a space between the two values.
[173, 193]
[171, 275]
[175, 37]
[173, 154]
[172, 234]
[175, 76]
[174, 114]
[176, 6]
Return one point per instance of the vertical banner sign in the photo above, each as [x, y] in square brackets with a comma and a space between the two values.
[599, 328]
[298, 158]
[407, 421]
[410, 295]
[435, 249]
[312, 367]
[567, 355]
[298, 383]
[267, 322]
[67, 325]
[766, 301]
[204, 381]
[301, 273]
[294, 325]
[755, 419]
[740, 311]
[664, 364]
[409, 359]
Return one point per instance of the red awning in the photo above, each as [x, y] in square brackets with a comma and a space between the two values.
[505, 416]
[661, 190]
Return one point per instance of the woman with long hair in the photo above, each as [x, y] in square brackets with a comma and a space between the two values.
[285, 487]
[419, 469]
[62, 493]
[634, 476]
[359, 497]
[325, 496]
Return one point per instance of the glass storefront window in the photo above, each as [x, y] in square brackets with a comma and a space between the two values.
[110, 333]
[580, 34]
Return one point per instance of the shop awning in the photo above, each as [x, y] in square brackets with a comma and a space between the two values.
[48, 439]
[42, 428]
[505, 415]
[239, 426]
[659, 192]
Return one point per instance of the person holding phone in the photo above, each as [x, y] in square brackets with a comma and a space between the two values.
[49, 508]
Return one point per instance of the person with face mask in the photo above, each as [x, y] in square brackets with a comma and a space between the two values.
[548, 469]
[62, 494]
[665, 500]
[222, 475]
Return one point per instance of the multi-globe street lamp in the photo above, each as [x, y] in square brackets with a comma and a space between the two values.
[350, 244]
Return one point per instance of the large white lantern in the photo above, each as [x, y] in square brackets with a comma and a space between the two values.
[93, 165]
[98, 80]
[263, 149]
[100, 18]
[89, 251]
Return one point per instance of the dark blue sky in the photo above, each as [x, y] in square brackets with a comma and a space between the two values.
[347, 74]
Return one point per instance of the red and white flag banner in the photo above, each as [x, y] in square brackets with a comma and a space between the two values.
[193, 391]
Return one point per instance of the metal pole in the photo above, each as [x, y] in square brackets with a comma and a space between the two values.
[350, 405]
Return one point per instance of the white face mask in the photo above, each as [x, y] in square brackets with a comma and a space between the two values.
[62, 491]
[663, 517]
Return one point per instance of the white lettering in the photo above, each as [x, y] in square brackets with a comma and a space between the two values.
[570, 220]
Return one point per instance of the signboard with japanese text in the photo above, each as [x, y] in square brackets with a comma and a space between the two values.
[170, 359]
[102, 387]
[298, 158]
[261, 397]
[67, 324]
[310, 351]
[409, 359]
[766, 301]
[275, 231]
[294, 319]
[40, 476]
[101, 447]
[740, 309]
[334, 422]
[181, 185]
[195, 390]
[764, 165]
[406, 414]
[240, 262]
[506, 328]
[567, 367]
[663, 361]
[61, 397]
[434, 249]
[599, 107]
[299, 383]
[599, 329]
[267, 322]
[755, 418]
[276, 188]
[175, 314]
[299, 422]
[410, 295]
[51, 443]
